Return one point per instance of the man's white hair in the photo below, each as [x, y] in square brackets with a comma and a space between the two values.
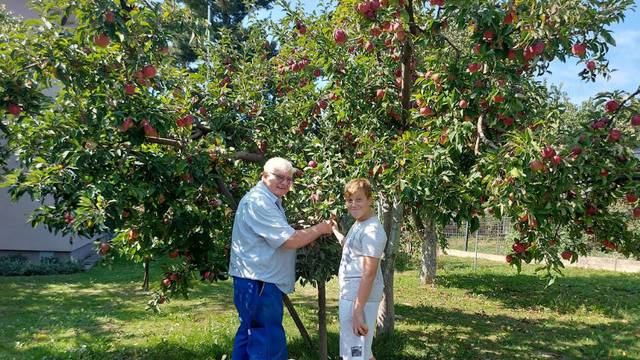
[278, 163]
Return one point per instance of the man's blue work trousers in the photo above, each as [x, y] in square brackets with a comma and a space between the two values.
[260, 335]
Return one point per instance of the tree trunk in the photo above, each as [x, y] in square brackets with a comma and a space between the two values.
[296, 320]
[145, 280]
[427, 230]
[322, 320]
[392, 217]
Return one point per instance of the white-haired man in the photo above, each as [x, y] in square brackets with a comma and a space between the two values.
[262, 264]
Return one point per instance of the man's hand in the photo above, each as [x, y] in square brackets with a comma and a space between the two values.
[325, 227]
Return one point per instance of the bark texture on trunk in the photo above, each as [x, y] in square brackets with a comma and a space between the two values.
[427, 230]
[145, 280]
[392, 216]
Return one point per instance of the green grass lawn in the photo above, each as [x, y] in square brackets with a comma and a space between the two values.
[491, 313]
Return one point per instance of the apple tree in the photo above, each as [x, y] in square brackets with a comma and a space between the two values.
[438, 102]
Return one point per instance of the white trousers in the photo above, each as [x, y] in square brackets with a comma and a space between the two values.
[354, 347]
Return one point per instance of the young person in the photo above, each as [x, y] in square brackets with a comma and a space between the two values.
[360, 276]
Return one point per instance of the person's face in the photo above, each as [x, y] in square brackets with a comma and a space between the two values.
[359, 205]
[278, 181]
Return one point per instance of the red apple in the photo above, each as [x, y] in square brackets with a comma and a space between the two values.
[591, 210]
[463, 104]
[604, 172]
[567, 254]
[511, 54]
[488, 36]
[109, 17]
[369, 47]
[68, 218]
[611, 106]
[363, 7]
[302, 29]
[614, 135]
[506, 120]
[133, 235]
[312, 164]
[537, 165]
[166, 282]
[518, 248]
[101, 40]
[498, 98]
[608, 244]
[104, 248]
[437, 3]
[576, 151]
[426, 111]
[579, 49]
[556, 160]
[508, 18]
[174, 254]
[340, 36]
[380, 94]
[631, 197]
[474, 67]
[509, 259]
[149, 71]
[317, 72]
[591, 65]
[126, 124]
[548, 152]
[14, 109]
[635, 120]
[636, 212]
[129, 89]
[538, 47]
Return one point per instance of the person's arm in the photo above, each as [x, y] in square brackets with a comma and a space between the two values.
[337, 233]
[369, 270]
[306, 236]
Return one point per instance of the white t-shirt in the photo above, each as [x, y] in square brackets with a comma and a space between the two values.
[365, 238]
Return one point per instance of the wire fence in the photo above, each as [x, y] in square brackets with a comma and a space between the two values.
[494, 237]
[490, 238]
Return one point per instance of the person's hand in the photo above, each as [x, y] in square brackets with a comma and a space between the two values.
[360, 328]
[326, 227]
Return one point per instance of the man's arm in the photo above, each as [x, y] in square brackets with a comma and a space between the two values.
[306, 236]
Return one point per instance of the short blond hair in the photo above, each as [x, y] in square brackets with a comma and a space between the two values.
[356, 185]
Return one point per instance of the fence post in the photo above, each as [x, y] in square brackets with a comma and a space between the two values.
[475, 258]
[466, 236]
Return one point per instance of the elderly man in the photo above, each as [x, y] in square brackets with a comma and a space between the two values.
[262, 263]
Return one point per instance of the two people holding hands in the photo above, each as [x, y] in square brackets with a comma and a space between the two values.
[262, 264]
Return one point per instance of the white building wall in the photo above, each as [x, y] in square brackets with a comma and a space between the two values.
[16, 234]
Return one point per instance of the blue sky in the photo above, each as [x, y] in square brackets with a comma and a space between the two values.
[625, 58]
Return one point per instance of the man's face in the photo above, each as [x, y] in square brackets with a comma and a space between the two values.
[278, 181]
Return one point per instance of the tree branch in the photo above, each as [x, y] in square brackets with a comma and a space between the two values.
[225, 191]
[165, 141]
[481, 135]
[240, 155]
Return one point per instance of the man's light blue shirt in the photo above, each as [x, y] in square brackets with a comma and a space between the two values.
[259, 229]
